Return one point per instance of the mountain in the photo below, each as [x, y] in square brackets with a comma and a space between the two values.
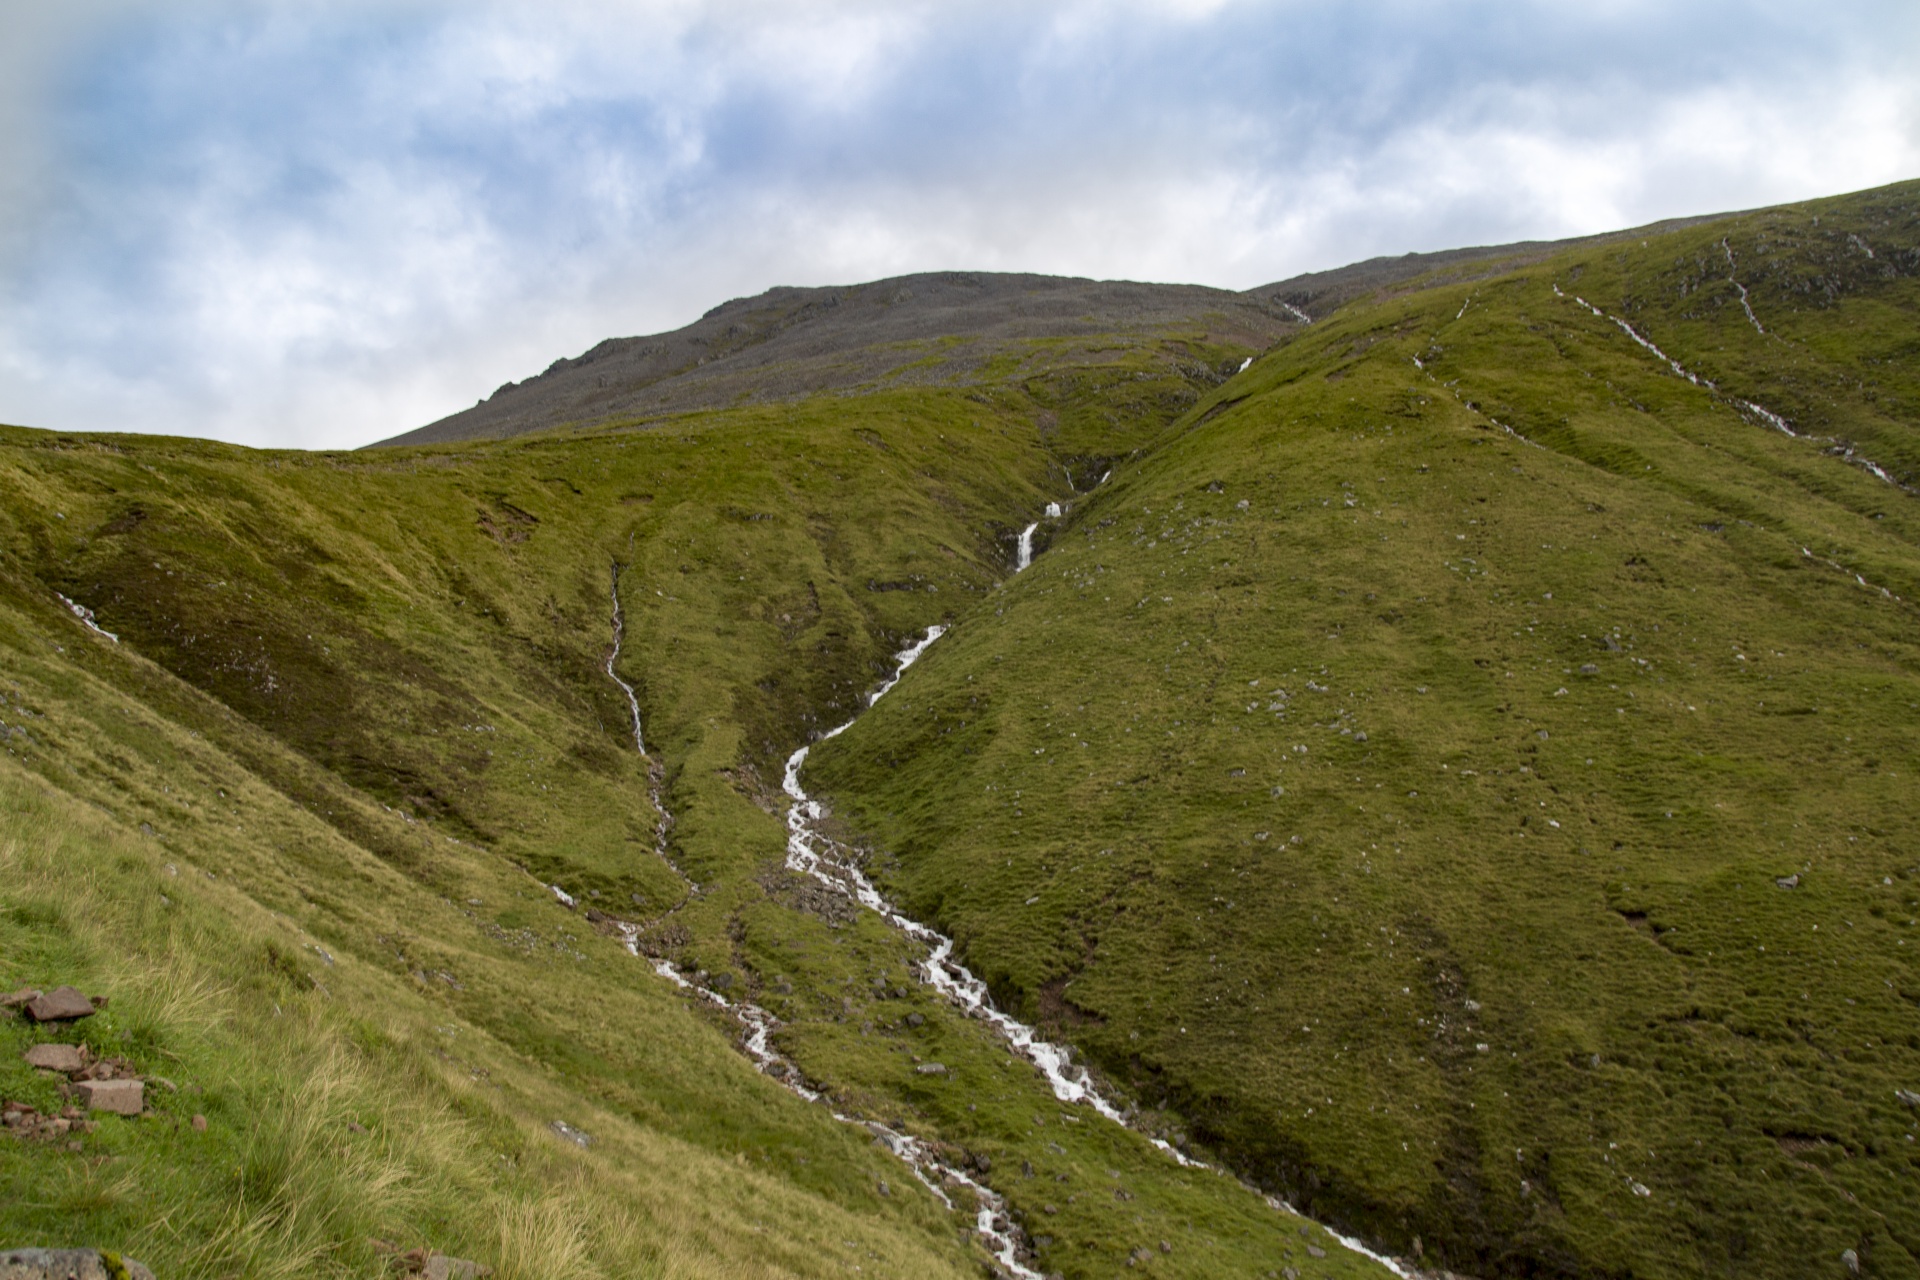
[949, 328]
[1447, 765]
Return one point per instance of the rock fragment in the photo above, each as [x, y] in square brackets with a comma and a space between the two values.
[116, 1097]
[69, 1264]
[1788, 882]
[62, 1004]
[56, 1057]
[577, 1137]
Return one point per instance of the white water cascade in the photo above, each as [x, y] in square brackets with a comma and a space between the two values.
[1022, 555]
[619, 633]
[1844, 452]
[991, 1222]
[811, 852]
[85, 615]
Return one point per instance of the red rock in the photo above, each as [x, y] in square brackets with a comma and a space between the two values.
[120, 1097]
[199, 1124]
[62, 1004]
[55, 1057]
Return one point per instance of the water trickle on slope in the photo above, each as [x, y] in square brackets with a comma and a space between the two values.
[619, 633]
[992, 1224]
[811, 852]
[1845, 452]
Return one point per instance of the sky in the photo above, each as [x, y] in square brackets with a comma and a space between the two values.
[316, 225]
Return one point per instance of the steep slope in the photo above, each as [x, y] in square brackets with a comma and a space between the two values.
[351, 722]
[1464, 773]
[357, 723]
[1454, 771]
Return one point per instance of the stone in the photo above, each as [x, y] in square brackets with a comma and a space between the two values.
[55, 1057]
[16, 999]
[1315, 1251]
[1908, 1096]
[1851, 1261]
[1589, 669]
[914, 1020]
[1788, 882]
[199, 1124]
[118, 1097]
[932, 1068]
[441, 1267]
[69, 1264]
[577, 1137]
[62, 1004]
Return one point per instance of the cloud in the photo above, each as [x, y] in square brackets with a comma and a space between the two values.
[323, 224]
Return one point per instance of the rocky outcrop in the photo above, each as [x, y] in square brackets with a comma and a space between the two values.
[69, 1264]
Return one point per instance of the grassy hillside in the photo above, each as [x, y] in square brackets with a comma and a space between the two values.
[1397, 773]
[1390, 780]
[297, 817]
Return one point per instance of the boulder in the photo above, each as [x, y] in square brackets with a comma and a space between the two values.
[119, 1097]
[55, 1057]
[69, 1264]
[1788, 882]
[62, 1004]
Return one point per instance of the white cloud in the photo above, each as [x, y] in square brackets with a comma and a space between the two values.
[326, 225]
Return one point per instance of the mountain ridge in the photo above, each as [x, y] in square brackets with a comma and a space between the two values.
[904, 329]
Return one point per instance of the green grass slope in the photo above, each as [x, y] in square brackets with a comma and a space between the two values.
[1463, 773]
[297, 817]
[356, 714]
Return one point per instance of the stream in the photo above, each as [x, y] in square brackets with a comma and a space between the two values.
[1845, 452]
[811, 852]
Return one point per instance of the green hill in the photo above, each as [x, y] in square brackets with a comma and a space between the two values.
[1385, 782]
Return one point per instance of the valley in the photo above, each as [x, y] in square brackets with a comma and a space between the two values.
[1399, 771]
